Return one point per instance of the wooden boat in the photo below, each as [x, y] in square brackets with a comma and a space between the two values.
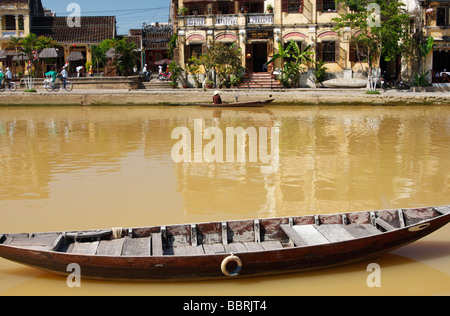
[239, 104]
[225, 249]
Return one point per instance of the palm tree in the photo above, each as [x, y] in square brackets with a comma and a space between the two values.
[293, 59]
[14, 44]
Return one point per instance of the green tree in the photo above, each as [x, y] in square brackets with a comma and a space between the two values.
[125, 54]
[224, 59]
[31, 45]
[384, 33]
[293, 60]
[98, 56]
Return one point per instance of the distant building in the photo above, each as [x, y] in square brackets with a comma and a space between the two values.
[155, 43]
[258, 30]
[76, 41]
[21, 17]
[436, 24]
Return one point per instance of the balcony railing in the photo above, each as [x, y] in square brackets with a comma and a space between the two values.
[9, 34]
[195, 20]
[226, 20]
[260, 18]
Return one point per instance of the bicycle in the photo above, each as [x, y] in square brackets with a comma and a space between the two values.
[11, 86]
[55, 86]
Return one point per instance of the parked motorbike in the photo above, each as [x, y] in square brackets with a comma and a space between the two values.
[145, 76]
[164, 76]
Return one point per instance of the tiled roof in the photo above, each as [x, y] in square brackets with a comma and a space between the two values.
[93, 29]
[3, 2]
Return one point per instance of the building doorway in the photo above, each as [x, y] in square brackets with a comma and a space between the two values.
[441, 61]
[259, 57]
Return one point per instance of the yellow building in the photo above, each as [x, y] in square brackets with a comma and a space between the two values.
[436, 24]
[19, 18]
[258, 31]
[15, 17]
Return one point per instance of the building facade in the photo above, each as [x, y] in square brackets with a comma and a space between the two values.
[15, 21]
[259, 26]
[436, 24]
[19, 18]
[155, 43]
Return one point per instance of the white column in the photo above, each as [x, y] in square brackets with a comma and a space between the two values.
[17, 26]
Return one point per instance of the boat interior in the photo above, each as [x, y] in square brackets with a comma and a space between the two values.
[227, 237]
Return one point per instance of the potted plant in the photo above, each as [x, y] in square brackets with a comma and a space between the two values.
[269, 8]
[173, 85]
[320, 73]
[184, 11]
[209, 84]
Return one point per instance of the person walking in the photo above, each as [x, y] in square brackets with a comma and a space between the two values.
[79, 71]
[8, 77]
[64, 76]
[2, 75]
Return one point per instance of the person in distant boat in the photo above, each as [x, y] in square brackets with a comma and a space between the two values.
[216, 98]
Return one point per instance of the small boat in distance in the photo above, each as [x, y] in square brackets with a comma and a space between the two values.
[260, 103]
[228, 249]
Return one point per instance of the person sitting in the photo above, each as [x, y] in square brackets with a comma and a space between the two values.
[2, 75]
[216, 98]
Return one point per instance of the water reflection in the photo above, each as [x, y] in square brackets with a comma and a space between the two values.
[99, 167]
[331, 159]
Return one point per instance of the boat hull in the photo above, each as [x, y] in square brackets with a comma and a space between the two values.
[239, 104]
[200, 267]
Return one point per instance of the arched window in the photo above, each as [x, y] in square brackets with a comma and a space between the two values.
[21, 23]
[10, 22]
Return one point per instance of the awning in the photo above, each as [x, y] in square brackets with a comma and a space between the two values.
[111, 53]
[20, 57]
[51, 53]
[163, 62]
[75, 56]
[198, 1]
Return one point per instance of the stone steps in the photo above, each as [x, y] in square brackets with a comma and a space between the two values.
[260, 80]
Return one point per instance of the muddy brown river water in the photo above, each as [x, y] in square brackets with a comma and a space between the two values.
[67, 168]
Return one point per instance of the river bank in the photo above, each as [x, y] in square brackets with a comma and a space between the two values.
[186, 97]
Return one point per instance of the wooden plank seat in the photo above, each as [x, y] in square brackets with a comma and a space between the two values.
[334, 232]
[293, 235]
[361, 230]
[157, 246]
[310, 235]
[137, 247]
[214, 248]
[237, 247]
[110, 247]
[84, 248]
[383, 224]
[271, 245]
[37, 242]
[187, 250]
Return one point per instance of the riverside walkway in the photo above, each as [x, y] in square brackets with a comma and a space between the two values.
[186, 97]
